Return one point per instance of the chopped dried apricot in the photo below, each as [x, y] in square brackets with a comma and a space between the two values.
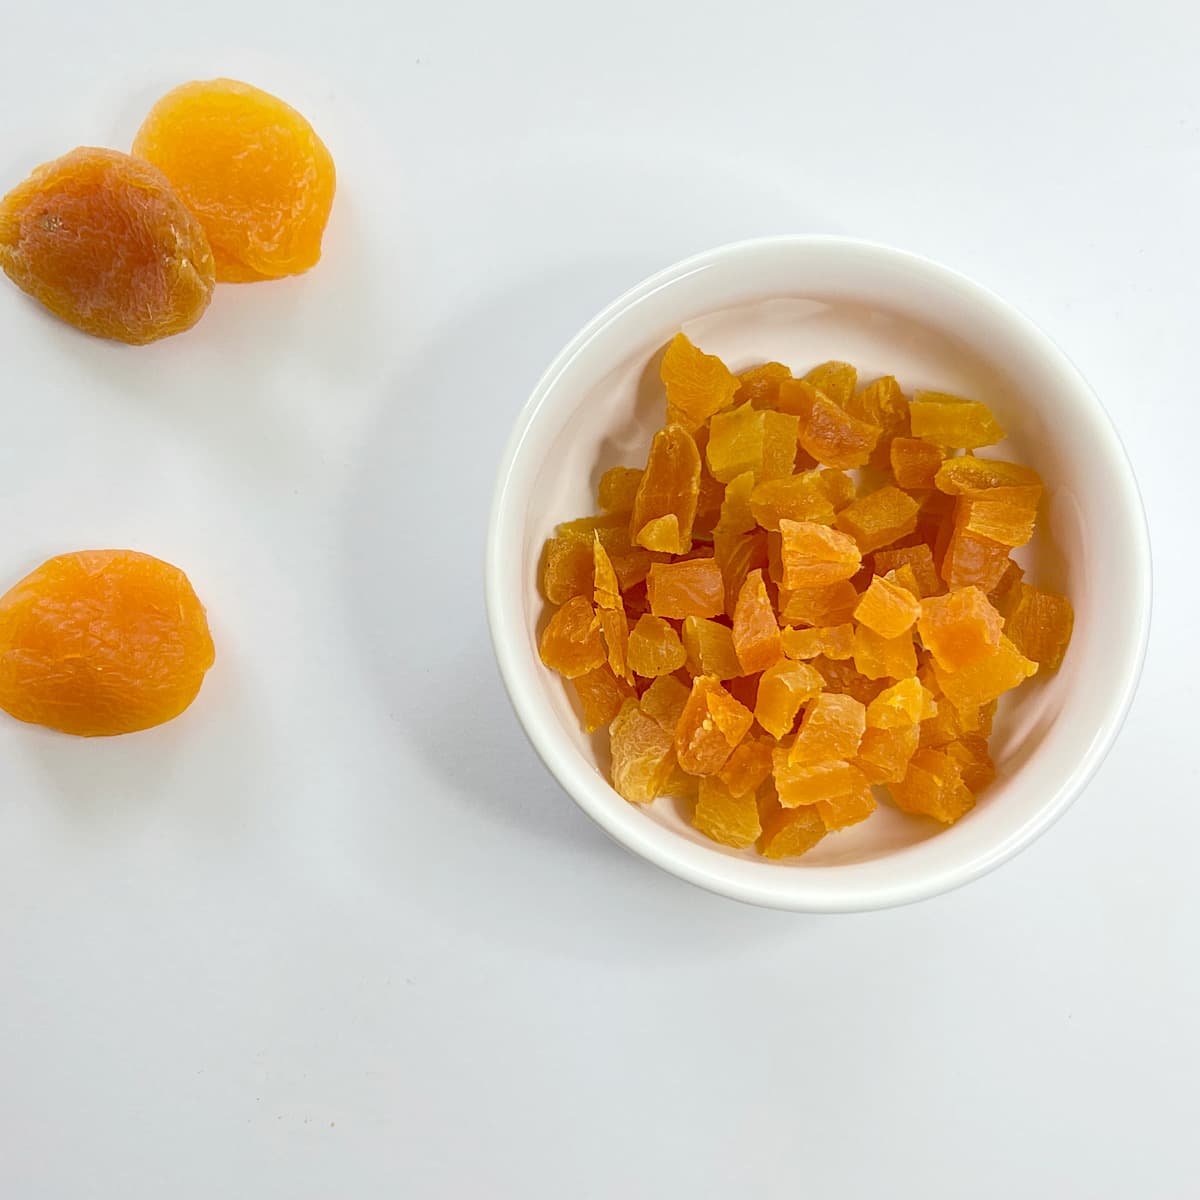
[908, 702]
[251, 168]
[1039, 624]
[760, 385]
[833, 604]
[951, 421]
[698, 385]
[833, 641]
[664, 701]
[782, 690]
[914, 462]
[691, 588]
[748, 767]
[760, 441]
[736, 556]
[813, 782]
[710, 649]
[933, 787]
[617, 489]
[601, 695]
[918, 557]
[803, 497]
[642, 754]
[879, 657]
[882, 403]
[877, 520]
[755, 629]
[710, 727]
[654, 648]
[788, 832]
[106, 244]
[814, 555]
[884, 754]
[986, 678]
[737, 516]
[971, 560]
[887, 608]
[843, 678]
[988, 478]
[974, 762]
[726, 818]
[849, 808]
[905, 577]
[959, 628]
[831, 728]
[664, 506]
[571, 643]
[834, 438]
[836, 379]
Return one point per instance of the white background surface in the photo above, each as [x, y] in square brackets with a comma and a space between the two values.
[336, 933]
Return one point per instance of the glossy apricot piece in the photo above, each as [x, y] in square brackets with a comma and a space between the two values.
[1002, 594]
[884, 754]
[783, 689]
[970, 560]
[989, 478]
[843, 678]
[882, 402]
[959, 628]
[974, 762]
[918, 557]
[690, 588]
[748, 767]
[736, 515]
[815, 555]
[698, 385]
[1003, 521]
[736, 556]
[836, 439]
[571, 643]
[985, 679]
[617, 489]
[832, 604]
[755, 628]
[831, 728]
[833, 641]
[837, 380]
[102, 642]
[614, 633]
[789, 832]
[664, 701]
[759, 385]
[103, 241]
[710, 727]
[726, 818]
[813, 782]
[654, 648]
[606, 588]
[252, 170]
[879, 657]
[1039, 623]
[905, 577]
[848, 808]
[803, 497]
[932, 786]
[567, 565]
[887, 608]
[907, 702]
[914, 463]
[878, 519]
[642, 754]
[746, 439]
[710, 649]
[601, 695]
[952, 421]
[667, 493]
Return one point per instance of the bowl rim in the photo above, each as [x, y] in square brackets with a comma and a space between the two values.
[503, 611]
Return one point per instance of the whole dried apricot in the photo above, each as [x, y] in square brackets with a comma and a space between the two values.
[104, 242]
[101, 642]
[251, 168]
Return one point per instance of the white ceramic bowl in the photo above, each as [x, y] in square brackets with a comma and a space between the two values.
[802, 300]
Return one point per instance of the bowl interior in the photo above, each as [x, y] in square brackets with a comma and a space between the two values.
[886, 314]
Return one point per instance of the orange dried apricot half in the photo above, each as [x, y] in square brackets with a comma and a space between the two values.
[251, 168]
[104, 242]
[101, 642]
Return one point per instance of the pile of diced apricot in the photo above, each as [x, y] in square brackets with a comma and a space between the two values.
[770, 637]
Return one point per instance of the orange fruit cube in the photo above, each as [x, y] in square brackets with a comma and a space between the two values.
[986, 678]
[883, 403]
[749, 766]
[760, 385]
[831, 728]
[919, 558]
[760, 441]
[933, 787]
[834, 438]
[833, 641]
[914, 462]
[833, 604]
[710, 727]
[782, 690]
[698, 384]
[810, 783]
[726, 818]
[669, 488]
[571, 642]
[878, 519]
[988, 479]
[905, 703]
[691, 588]
[840, 812]
[710, 649]
[974, 762]
[755, 629]
[884, 754]
[1039, 624]
[959, 628]
[736, 514]
[601, 695]
[664, 701]
[654, 648]
[837, 380]
[887, 608]
[844, 679]
[642, 754]
[878, 657]
[736, 555]
[952, 421]
[814, 555]
[803, 497]
[971, 560]
[788, 832]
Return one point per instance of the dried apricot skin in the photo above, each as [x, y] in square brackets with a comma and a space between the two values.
[104, 242]
[251, 168]
[102, 642]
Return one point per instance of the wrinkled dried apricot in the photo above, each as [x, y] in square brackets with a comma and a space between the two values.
[834, 438]
[250, 168]
[959, 628]
[878, 519]
[879, 657]
[814, 555]
[1039, 624]
[601, 695]
[951, 421]
[813, 782]
[571, 643]
[710, 727]
[847, 808]
[933, 787]
[689, 588]
[760, 385]
[787, 832]
[642, 754]
[698, 385]
[783, 689]
[755, 628]
[654, 648]
[106, 244]
[831, 728]
[749, 766]
[833, 641]
[887, 608]
[102, 642]
[664, 505]
[747, 439]
[726, 818]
